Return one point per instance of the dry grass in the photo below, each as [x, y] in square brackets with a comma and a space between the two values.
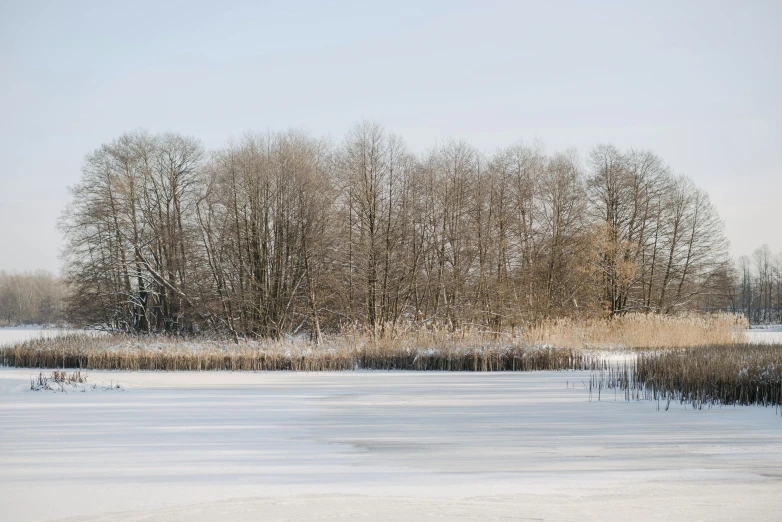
[119, 352]
[740, 374]
[640, 331]
[57, 380]
[633, 331]
[72, 377]
[553, 345]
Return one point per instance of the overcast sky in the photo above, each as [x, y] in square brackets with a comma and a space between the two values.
[699, 83]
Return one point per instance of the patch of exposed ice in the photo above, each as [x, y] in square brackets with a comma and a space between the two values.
[376, 446]
[765, 334]
[16, 334]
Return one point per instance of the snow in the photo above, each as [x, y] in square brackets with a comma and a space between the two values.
[15, 334]
[768, 334]
[376, 446]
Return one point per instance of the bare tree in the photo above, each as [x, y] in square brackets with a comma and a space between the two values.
[280, 233]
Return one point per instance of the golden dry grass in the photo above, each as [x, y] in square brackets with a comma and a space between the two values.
[552, 345]
[120, 352]
[640, 331]
[628, 331]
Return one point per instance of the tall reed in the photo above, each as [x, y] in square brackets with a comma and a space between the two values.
[119, 352]
[549, 345]
[739, 374]
[640, 331]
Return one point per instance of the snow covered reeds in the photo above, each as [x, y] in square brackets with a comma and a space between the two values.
[62, 381]
[741, 374]
[56, 379]
[548, 345]
[119, 352]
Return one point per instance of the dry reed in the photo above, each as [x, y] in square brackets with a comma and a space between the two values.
[738, 374]
[551, 345]
[119, 352]
[57, 380]
[640, 331]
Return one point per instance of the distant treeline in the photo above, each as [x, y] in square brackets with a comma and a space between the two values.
[30, 298]
[759, 286]
[282, 232]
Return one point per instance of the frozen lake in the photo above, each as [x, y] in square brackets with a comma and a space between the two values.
[15, 334]
[764, 334]
[376, 446]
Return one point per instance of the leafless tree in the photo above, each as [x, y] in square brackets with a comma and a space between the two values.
[281, 233]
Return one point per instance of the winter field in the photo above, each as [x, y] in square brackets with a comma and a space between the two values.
[376, 445]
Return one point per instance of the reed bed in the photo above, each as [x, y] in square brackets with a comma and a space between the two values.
[640, 331]
[119, 352]
[552, 345]
[630, 331]
[738, 374]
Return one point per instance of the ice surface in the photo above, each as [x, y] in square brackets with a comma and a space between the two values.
[768, 334]
[16, 334]
[376, 446]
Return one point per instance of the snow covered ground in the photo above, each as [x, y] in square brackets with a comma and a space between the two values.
[769, 334]
[15, 334]
[376, 446]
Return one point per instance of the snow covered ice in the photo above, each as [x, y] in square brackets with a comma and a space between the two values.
[766, 334]
[376, 446]
[16, 334]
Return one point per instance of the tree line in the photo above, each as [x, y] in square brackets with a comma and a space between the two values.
[30, 298]
[759, 286]
[281, 233]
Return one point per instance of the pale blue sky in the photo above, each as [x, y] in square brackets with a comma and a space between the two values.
[699, 83]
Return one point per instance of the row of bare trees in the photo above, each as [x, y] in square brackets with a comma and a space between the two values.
[281, 233]
[30, 298]
[759, 286]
